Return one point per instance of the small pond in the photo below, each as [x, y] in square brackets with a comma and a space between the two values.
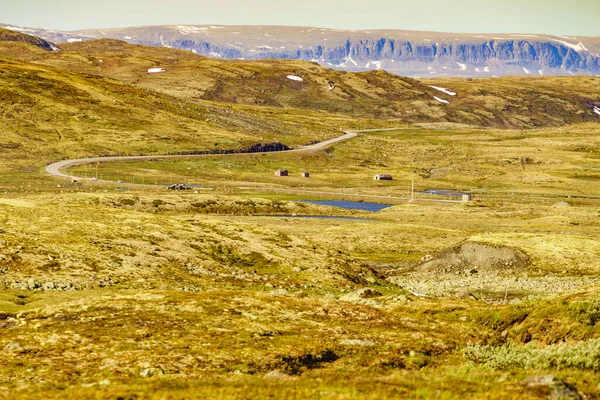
[350, 205]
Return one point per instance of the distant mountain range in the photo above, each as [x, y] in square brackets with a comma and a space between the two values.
[408, 53]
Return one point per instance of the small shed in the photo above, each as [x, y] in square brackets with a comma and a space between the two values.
[382, 177]
[466, 197]
[305, 174]
[281, 172]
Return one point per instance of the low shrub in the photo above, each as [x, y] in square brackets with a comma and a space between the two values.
[583, 355]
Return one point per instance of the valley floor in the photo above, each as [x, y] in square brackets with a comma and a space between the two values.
[119, 291]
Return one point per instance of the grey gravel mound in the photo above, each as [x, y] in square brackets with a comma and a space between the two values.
[474, 257]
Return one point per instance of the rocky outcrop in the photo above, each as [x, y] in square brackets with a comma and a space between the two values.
[493, 57]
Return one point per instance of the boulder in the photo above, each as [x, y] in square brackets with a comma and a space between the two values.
[31, 284]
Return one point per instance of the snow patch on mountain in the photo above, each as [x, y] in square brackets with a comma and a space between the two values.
[155, 70]
[16, 28]
[187, 29]
[565, 37]
[441, 100]
[443, 90]
[597, 110]
[163, 43]
[295, 78]
[525, 70]
[347, 60]
[462, 66]
[577, 47]
[74, 40]
[376, 64]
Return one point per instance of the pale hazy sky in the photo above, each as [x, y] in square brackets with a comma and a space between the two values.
[561, 17]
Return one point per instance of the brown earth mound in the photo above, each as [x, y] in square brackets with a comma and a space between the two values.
[475, 256]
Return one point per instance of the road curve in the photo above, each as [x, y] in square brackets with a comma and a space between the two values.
[55, 168]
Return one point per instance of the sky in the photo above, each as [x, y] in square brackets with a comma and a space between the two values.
[559, 17]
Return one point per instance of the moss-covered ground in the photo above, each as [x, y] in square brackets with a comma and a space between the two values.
[229, 290]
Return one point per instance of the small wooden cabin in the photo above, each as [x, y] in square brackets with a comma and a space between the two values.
[382, 177]
[281, 172]
[305, 174]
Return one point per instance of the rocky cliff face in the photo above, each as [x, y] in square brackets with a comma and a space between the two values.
[422, 54]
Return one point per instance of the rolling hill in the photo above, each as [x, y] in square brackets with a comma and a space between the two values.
[408, 53]
[97, 98]
[515, 102]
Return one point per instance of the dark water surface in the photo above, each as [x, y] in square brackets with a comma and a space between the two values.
[350, 205]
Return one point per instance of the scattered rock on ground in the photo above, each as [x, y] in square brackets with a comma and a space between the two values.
[12, 346]
[558, 389]
[152, 371]
[279, 292]
[357, 342]
[277, 374]
[363, 293]
[561, 204]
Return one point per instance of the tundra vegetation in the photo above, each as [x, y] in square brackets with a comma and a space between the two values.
[114, 290]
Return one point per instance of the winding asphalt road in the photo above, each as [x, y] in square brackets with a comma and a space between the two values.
[55, 168]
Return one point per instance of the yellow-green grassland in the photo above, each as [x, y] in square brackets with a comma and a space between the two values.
[118, 288]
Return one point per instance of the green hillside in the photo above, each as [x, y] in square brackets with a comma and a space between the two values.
[237, 287]
[514, 102]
